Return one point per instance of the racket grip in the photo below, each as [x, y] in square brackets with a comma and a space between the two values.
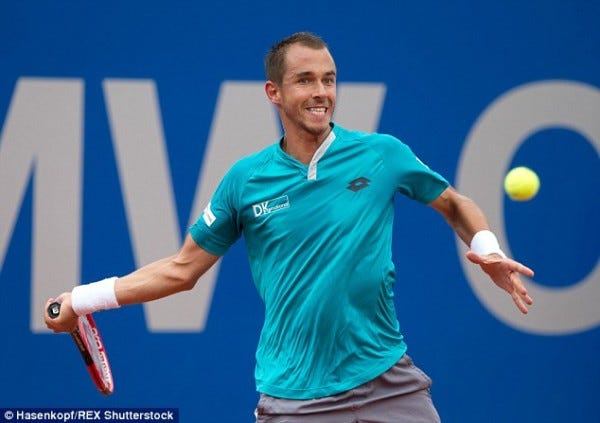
[54, 310]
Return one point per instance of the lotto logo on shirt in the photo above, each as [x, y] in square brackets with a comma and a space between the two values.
[270, 206]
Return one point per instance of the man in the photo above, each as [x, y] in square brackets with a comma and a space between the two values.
[316, 211]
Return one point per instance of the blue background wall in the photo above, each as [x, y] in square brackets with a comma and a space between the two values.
[442, 64]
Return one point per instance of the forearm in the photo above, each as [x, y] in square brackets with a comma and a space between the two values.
[462, 214]
[164, 277]
[151, 282]
[156, 280]
[470, 224]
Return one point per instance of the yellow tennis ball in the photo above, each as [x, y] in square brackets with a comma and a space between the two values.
[521, 183]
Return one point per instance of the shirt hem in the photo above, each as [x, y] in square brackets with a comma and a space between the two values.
[314, 393]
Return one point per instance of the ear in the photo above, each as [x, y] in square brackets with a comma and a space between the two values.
[272, 91]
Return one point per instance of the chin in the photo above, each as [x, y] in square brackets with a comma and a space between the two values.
[318, 130]
[319, 127]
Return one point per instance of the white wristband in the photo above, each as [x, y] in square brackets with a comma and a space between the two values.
[95, 296]
[485, 242]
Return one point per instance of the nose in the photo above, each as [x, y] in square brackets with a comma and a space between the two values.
[320, 90]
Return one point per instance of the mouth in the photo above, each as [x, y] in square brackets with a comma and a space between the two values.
[317, 110]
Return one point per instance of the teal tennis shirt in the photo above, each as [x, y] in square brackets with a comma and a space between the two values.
[319, 241]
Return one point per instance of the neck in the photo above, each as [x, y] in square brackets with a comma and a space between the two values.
[303, 148]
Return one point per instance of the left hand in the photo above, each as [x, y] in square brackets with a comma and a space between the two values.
[505, 273]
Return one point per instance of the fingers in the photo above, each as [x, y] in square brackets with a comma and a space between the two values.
[66, 320]
[519, 294]
[505, 273]
[515, 266]
[514, 286]
[520, 305]
[522, 301]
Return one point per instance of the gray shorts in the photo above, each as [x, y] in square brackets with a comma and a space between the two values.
[400, 395]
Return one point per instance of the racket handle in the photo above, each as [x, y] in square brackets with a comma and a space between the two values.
[54, 310]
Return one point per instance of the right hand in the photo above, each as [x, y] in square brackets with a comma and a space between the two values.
[66, 320]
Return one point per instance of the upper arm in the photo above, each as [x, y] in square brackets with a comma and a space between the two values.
[166, 276]
[461, 213]
[194, 259]
[446, 202]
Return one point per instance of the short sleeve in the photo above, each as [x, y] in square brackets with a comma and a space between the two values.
[217, 228]
[413, 177]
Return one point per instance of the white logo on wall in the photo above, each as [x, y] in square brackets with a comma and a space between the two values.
[487, 153]
[39, 151]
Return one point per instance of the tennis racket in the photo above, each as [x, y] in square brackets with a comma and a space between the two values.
[89, 343]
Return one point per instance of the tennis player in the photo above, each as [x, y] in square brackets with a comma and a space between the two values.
[316, 211]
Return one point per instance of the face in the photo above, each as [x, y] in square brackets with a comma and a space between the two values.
[306, 96]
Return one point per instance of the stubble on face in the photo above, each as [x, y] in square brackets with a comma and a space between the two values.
[308, 92]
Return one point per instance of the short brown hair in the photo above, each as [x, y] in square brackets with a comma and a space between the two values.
[275, 58]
